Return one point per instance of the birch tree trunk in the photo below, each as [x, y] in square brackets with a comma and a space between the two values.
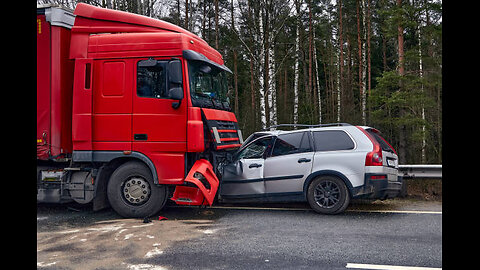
[340, 61]
[364, 68]
[252, 59]
[420, 66]
[272, 91]
[271, 87]
[297, 59]
[261, 73]
[266, 54]
[317, 80]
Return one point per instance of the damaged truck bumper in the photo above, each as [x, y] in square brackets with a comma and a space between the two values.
[205, 185]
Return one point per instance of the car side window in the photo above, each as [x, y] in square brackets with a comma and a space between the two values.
[331, 140]
[298, 142]
[152, 81]
[256, 149]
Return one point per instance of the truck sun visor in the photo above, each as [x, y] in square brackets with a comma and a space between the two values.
[193, 55]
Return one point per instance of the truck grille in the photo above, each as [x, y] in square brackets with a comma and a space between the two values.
[226, 125]
[227, 133]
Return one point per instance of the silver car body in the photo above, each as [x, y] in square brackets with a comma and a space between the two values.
[286, 177]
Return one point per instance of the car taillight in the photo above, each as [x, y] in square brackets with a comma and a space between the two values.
[375, 157]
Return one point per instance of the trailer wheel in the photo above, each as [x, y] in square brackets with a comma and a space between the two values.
[132, 193]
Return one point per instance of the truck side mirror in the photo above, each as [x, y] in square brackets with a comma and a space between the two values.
[177, 94]
[175, 72]
[175, 80]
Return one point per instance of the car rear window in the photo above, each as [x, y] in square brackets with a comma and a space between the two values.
[292, 143]
[332, 140]
[383, 143]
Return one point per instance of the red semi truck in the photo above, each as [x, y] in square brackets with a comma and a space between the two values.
[131, 111]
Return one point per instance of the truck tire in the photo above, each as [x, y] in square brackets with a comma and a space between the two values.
[328, 195]
[132, 193]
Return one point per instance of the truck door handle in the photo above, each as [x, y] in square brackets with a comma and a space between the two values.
[140, 137]
[255, 165]
[304, 160]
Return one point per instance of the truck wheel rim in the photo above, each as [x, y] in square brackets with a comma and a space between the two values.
[136, 190]
[327, 194]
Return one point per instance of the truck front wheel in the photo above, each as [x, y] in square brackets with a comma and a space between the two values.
[132, 193]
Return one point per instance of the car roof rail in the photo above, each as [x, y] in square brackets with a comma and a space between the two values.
[307, 126]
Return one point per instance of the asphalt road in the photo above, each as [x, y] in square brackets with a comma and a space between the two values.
[393, 233]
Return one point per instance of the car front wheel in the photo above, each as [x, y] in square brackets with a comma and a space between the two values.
[328, 195]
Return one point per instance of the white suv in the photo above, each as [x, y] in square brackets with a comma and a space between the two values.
[326, 165]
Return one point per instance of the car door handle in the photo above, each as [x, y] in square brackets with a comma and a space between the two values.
[254, 165]
[304, 160]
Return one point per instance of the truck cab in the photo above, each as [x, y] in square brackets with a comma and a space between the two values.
[143, 109]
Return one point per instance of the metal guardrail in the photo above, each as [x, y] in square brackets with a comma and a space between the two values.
[420, 171]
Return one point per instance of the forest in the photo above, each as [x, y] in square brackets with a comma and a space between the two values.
[365, 62]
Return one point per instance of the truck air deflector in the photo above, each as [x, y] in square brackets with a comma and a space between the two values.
[119, 21]
[203, 177]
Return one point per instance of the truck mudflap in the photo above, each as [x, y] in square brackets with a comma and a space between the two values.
[206, 182]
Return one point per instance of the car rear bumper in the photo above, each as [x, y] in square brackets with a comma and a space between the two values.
[379, 186]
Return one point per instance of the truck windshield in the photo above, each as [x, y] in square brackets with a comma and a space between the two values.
[208, 86]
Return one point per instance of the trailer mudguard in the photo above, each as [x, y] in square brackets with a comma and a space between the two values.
[206, 182]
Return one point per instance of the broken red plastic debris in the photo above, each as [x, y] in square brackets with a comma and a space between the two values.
[199, 195]
[161, 218]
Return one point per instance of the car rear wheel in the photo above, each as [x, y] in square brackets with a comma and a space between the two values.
[328, 195]
[132, 193]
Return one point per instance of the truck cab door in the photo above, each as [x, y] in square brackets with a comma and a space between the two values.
[112, 99]
[159, 117]
[243, 177]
